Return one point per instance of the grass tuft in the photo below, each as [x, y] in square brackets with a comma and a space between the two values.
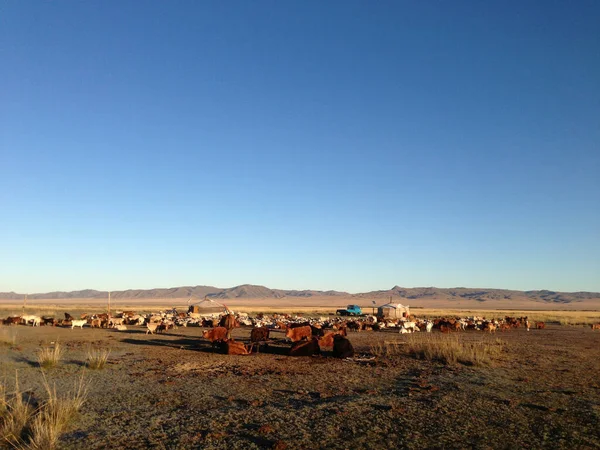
[24, 427]
[49, 357]
[96, 358]
[15, 415]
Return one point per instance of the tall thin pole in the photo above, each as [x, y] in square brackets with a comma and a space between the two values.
[24, 303]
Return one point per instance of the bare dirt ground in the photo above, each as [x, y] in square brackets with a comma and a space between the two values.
[171, 391]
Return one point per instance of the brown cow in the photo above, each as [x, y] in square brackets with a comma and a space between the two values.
[327, 340]
[595, 326]
[540, 325]
[259, 334]
[305, 348]
[229, 322]
[299, 333]
[215, 334]
[342, 348]
[231, 347]
[96, 323]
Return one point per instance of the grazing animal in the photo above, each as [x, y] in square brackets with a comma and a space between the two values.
[342, 347]
[595, 326]
[298, 333]
[78, 323]
[68, 317]
[12, 321]
[317, 331]
[490, 327]
[327, 340]
[114, 321]
[540, 325]
[305, 348]
[231, 347]
[229, 322]
[49, 321]
[96, 323]
[215, 334]
[35, 320]
[259, 334]
[410, 327]
[152, 326]
[121, 327]
[210, 323]
[429, 327]
[162, 327]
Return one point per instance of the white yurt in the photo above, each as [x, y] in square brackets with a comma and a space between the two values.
[207, 307]
[393, 311]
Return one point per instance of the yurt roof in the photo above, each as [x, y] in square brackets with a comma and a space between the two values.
[209, 303]
[393, 305]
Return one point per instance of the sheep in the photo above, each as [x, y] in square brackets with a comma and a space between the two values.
[78, 323]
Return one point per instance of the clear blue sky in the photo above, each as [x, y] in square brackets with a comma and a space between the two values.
[299, 144]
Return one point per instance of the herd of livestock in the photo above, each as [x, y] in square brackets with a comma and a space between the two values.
[307, 335]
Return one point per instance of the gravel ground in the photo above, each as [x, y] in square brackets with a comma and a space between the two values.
[171, 391]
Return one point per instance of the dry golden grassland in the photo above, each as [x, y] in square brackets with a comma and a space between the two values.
[561, 317]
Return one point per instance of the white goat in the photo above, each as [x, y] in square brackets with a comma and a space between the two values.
[78, 323]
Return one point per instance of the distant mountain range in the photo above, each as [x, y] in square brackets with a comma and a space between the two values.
[249, 291]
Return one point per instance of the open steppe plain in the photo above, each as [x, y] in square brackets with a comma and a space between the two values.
[539, 389]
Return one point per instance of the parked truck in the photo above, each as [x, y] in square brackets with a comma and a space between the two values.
[351, 310]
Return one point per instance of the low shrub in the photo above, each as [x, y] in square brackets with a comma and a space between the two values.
[96, 358]
[50, 356]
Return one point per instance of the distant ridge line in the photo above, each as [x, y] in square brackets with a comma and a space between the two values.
[251, 291]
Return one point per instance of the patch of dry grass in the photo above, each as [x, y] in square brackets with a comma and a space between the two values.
[448, 349]
[453, 350]
[15, 413]
[561, 317]
[96, 358]
[50, 356]
[388, 349]
[23, 427]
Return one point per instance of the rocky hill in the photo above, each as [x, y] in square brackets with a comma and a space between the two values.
[397, 293]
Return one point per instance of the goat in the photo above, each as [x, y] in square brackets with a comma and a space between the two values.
[78, 323]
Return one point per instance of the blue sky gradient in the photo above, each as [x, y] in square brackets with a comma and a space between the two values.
[324, 145]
